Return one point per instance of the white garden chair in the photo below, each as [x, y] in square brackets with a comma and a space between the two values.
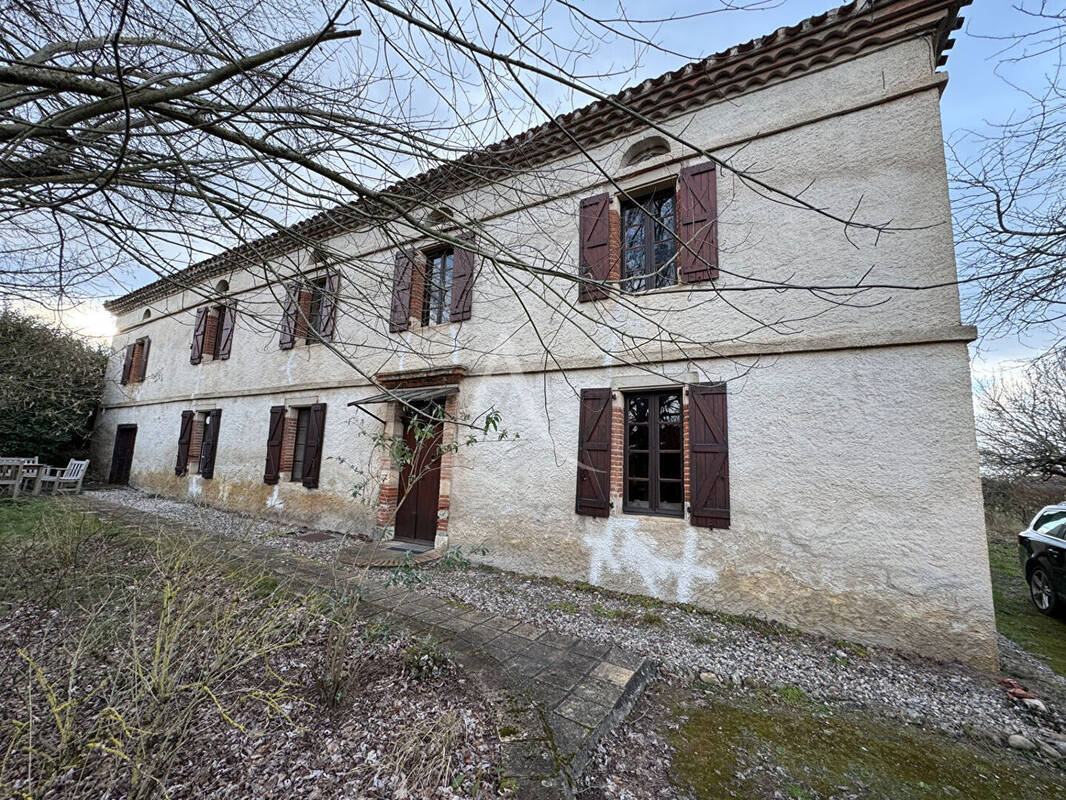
[11, 475]
[66, 480]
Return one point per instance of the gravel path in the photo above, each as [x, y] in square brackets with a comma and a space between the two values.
[952, 698]
[230, 523]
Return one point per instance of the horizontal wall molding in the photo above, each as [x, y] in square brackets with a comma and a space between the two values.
[733, 350]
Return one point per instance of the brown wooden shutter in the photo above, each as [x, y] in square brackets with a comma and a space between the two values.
[316, 429]
[400, 316]
[327, 313]
[229, 320]
[303, 313]
[462, 280]
[594, 246]
[127, 365]
[145, 344]
[184, 437]
[275, 434]
[697, 223]
[594, 454]
[199, 331]
[288, 317]
[210, 445]
[708, 434]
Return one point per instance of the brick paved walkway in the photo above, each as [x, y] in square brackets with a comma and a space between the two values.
[556, 695]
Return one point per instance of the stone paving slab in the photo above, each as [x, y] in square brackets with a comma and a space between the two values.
[556, 695]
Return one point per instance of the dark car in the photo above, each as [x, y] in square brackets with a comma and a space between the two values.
[1042, 552]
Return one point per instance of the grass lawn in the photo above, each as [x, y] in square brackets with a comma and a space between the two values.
[1016, 618]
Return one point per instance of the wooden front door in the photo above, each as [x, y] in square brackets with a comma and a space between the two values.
[122, 457]
[416, 517]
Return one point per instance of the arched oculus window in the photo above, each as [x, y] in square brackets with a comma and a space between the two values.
[651, 147]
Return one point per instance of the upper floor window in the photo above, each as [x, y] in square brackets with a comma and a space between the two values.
[213, 333]
[649, 241]
[310, 311]
[135, 365]
[437, 290]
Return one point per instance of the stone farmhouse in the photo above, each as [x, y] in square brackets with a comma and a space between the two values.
[697, 406]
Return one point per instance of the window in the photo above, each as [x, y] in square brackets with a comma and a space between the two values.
[213, 338]
[213, 332]
[135, 366]
[1048, 523]
[653, 475]
[437, 293]
[303, 419]
[314, 312]
[198, 442]
[649, 243]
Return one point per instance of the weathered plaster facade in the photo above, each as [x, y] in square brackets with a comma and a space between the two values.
[856, 503]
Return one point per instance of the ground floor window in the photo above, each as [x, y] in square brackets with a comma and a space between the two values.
[302, 420]
[653, 454]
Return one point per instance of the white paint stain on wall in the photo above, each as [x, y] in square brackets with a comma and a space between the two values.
[620, 547]
[275, 501]
[195, 487]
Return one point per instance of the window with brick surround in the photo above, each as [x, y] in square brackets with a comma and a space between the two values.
[653, 477]
[135, 365]
[649, 241]
[198, 443]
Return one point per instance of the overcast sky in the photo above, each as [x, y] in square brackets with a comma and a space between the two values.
[975, 99]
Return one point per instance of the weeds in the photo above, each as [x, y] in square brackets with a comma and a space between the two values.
[404, 574]
[565, 606]
[423, 660]
[455, 558]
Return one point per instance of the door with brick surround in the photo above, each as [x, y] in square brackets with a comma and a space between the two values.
[416, 516]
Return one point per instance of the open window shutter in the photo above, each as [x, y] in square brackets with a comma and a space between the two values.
[316, 428]
[274, 438]
[400, 316]
[594, 245]
[229, 319]
[146, 343]
[697, 222]
[198, 334]
[210, 445]
[462, 280]
[594, 454]
[708, 434]
[127, 365]
[327, 313]
[184, 437]
[288, 318]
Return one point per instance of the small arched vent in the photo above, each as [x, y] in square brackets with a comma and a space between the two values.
[651, 147]
[147, 314]
[222, 286]
[439, 217]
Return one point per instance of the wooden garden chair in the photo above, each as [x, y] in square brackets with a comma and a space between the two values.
[67, 480]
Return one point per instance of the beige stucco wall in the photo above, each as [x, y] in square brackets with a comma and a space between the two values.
[855, 494]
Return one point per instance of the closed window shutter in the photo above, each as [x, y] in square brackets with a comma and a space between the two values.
[288, 318]
[198, 334]
[303, 313]
[275, 435]
[229, 320]
[594, 454]
[594, 246]
[127, 365]
[146, 343]
[184, 437]
[697, 223]
[400, 315]
[327, 314]
[316, 429]
[210, 445]
[708, 434]
[462, 280]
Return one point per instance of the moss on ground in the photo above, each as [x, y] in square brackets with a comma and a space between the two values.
[1016, 618]
[747, 747]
